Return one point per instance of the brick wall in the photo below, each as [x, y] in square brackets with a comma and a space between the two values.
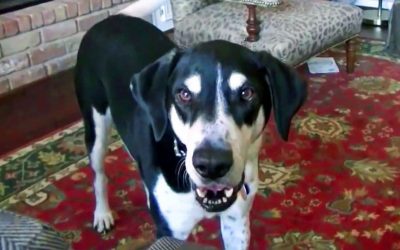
[42, 40]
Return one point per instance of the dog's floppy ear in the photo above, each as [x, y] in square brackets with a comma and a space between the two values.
[149, 88]
[288, 91]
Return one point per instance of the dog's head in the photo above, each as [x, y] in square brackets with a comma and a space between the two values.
[218, 97]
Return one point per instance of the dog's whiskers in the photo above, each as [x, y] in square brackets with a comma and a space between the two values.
[186, 178]
[181, 172]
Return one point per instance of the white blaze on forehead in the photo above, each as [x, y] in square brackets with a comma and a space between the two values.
[220, 103]
[236, 80]
[193, 83]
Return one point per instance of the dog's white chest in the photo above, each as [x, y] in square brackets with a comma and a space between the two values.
[180, 211]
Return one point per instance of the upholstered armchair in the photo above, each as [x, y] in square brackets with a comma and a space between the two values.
[292, 31]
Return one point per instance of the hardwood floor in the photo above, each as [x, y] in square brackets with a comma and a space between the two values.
[38, 109]
[374, 32]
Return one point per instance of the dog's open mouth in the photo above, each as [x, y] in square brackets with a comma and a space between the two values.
[217, 198]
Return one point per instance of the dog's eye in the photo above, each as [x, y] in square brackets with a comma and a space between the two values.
[247, 93]
[184, 96]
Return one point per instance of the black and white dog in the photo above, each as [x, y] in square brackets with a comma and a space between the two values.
[193, 120]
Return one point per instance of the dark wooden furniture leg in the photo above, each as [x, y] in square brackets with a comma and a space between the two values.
[253, 25]
[351, 55]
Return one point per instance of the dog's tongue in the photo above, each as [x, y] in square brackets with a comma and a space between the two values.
[214, 188]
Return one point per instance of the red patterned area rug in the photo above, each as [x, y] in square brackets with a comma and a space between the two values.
[334, 185]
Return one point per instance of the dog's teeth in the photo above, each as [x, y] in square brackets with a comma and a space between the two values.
[219, 201]
[228, 192]
[205, 201]
[201, 193]
[224, 199]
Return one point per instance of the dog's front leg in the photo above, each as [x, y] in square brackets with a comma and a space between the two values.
[235, 222]
[103, 218]
[235, 226]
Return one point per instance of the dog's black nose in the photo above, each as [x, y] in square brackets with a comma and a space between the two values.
[211, 162]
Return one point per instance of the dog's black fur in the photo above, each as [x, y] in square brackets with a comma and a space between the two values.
[121, 50]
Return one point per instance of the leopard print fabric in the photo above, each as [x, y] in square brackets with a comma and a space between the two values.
[293, 31]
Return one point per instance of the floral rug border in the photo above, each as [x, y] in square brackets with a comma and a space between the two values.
[51, 142]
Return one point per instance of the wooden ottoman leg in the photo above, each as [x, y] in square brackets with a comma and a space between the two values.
[351, 48]
[253, 25]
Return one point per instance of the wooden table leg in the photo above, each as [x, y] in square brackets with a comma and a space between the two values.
[351, 48]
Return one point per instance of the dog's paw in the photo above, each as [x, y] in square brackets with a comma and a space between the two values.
[103, 221]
